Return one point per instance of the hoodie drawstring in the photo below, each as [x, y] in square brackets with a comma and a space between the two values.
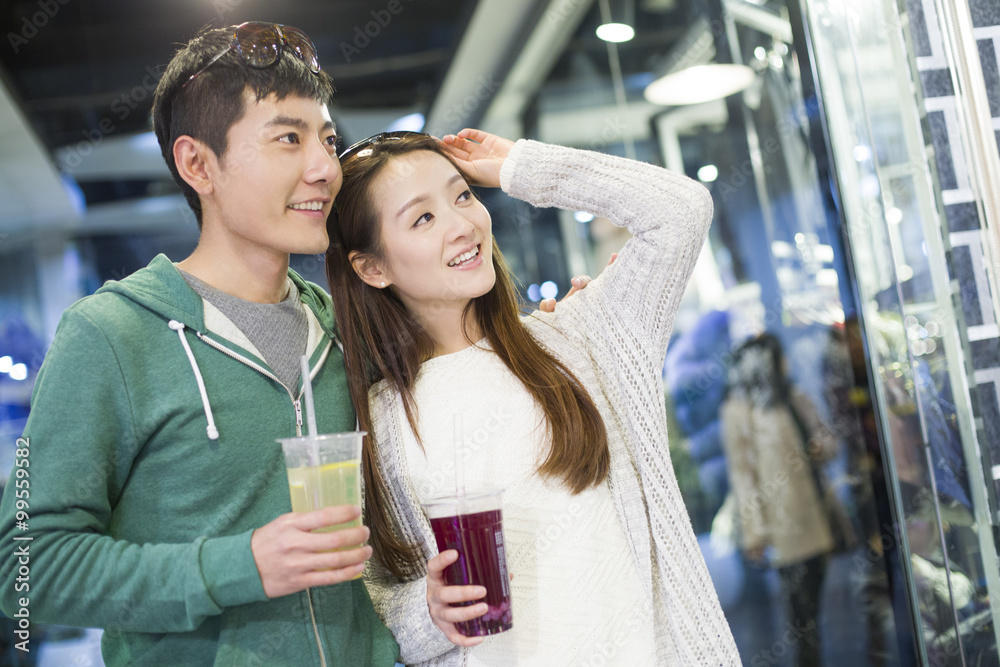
[213, 433]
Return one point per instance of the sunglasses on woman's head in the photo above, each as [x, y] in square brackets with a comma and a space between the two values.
[358, 149]
[261, 44]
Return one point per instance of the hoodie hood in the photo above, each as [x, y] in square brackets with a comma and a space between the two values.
[162, 289]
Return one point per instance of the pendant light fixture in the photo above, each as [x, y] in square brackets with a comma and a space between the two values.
[617, 20]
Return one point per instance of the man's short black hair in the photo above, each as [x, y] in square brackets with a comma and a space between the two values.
[209, 105]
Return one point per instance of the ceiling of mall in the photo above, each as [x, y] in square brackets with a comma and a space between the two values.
[77, 76]
[96, 59]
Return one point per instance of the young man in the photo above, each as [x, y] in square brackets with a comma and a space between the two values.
[159, 506]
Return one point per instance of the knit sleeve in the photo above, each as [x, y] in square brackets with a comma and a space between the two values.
[402, 606]
[618, 328]
[403, 609]
[668, 214]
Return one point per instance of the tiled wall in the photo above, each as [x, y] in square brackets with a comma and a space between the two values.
[969, 265]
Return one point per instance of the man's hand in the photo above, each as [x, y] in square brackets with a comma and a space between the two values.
[440, 597]
[290, 558]
[578, 282]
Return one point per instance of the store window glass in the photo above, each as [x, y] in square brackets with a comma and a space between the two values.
[914, 325]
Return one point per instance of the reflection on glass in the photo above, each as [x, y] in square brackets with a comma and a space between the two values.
[789, 516]
[911, 326]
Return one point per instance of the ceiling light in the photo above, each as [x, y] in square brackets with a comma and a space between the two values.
[701, 83]
[413, 122]
[18, 372]
[617, 20]
[549, 290]
[615, 32]
[6, 363]
[708, 173]
[583, 216]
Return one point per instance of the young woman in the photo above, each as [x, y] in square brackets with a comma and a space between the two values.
[564, 411]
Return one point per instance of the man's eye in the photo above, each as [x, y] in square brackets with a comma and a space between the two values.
[290, 138]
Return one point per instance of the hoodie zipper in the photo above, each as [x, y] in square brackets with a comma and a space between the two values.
[297, 404]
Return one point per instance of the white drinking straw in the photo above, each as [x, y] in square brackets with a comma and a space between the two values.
[459, 458]
[307, 386]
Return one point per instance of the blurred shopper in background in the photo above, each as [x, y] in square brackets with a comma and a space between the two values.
[774, 442]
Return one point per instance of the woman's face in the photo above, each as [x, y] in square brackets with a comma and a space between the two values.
[436, 237]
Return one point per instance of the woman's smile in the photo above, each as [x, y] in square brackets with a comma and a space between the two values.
[469, 259]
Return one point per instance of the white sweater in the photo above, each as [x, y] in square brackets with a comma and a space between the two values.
[613, 336]
[560, 547]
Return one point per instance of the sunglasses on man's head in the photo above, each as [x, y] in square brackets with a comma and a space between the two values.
[260, 45]
[358, 149]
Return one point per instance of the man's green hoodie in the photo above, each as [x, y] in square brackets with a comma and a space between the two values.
[152, 458]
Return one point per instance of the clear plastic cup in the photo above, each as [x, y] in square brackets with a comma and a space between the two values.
[324, 471]
[473, 526]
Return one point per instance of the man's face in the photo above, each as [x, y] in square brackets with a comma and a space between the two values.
[273, 189]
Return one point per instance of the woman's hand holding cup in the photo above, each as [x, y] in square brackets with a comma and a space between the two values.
[440, 597]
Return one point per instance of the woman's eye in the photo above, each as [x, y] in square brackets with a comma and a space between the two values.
[426, 217]
[465, 196]
[290, 138]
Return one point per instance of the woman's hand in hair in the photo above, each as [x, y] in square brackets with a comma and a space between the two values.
[440, 598]
[479, 155]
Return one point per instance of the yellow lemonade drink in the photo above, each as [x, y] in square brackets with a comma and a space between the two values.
[326, 485]
[324, 471]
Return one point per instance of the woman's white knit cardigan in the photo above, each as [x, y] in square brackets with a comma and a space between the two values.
[613, 336]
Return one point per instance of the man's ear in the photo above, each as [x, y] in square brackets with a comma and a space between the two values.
[191, 158]
[368, 269]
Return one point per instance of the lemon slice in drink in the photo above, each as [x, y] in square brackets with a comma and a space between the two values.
[339, 464]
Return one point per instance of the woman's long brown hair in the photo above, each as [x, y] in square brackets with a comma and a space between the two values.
[382, 340]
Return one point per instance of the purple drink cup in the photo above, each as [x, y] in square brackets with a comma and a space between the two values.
[473, 526]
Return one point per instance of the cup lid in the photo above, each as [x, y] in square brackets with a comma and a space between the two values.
[301, 440]
[471, 503]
